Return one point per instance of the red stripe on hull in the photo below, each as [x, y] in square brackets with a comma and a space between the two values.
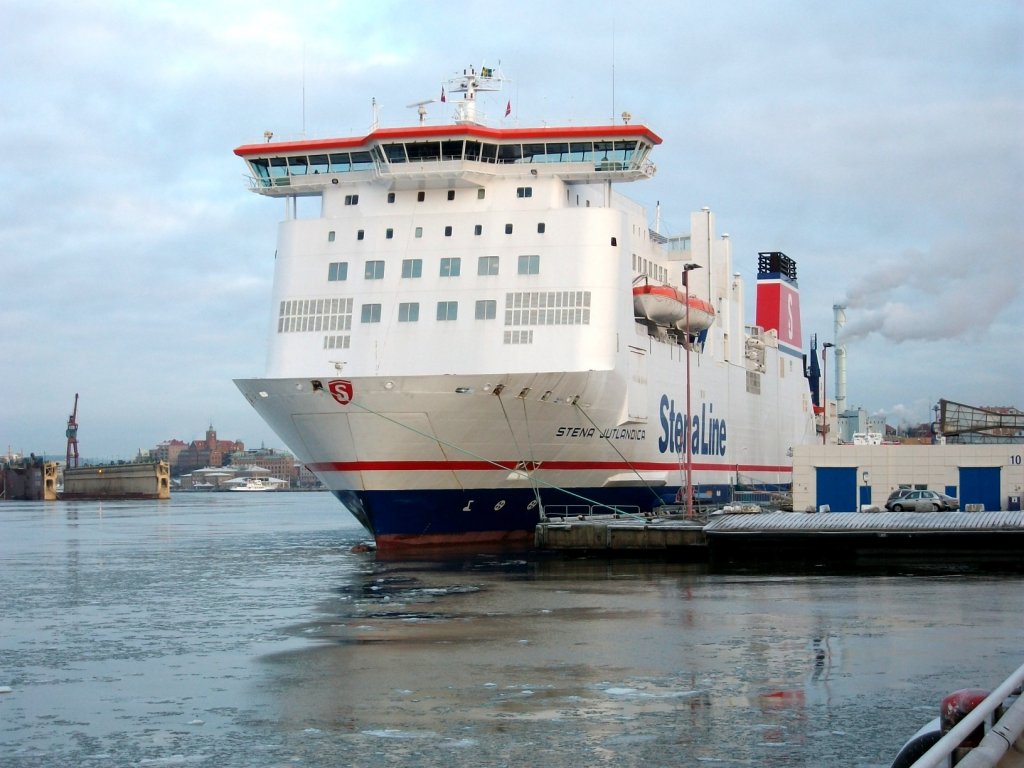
[564, 466]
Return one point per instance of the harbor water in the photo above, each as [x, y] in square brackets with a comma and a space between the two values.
[240, 629]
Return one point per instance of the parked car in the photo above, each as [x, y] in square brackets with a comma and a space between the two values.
[899, 493]
[952, 503]
[921, 501]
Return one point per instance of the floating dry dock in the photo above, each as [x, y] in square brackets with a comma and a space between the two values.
[836, 535]
[147, 480]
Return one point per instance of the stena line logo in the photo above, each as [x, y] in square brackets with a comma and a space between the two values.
[341, 390]
[705, 431]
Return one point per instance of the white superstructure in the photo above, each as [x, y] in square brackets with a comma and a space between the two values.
[454, 349]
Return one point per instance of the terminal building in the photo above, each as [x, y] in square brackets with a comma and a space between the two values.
[978, 458]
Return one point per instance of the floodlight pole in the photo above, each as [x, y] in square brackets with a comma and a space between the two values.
[824, 391]
[689, 413]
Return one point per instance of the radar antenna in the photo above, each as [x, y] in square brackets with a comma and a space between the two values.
[421, 108]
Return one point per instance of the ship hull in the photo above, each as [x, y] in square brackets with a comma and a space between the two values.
[465, 460]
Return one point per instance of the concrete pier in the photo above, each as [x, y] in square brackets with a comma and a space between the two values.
[834, 536]
[670, 535]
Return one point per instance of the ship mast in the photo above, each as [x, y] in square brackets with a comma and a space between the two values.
[469, 84]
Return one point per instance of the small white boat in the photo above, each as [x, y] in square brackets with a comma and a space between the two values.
[253, 484]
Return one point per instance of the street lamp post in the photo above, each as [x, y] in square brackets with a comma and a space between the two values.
[687, 268]
[824, 391]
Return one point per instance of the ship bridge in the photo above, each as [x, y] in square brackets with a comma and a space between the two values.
[466, 155]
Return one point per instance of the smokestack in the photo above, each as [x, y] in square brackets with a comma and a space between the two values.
[839, 315]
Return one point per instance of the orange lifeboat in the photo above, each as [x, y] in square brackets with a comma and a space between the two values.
[666, 305]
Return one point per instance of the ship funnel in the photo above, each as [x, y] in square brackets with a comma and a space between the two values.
[839, 320]
[778, 299]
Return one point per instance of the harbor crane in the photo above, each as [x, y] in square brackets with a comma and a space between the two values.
[72, 433]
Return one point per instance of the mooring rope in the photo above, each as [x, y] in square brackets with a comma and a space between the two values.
[615, 448]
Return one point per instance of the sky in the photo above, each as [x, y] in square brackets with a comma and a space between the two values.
[880, 145]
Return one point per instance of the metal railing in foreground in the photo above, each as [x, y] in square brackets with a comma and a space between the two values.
[994, 751]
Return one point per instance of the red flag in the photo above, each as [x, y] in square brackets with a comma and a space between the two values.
[508, 108]
[442, 93]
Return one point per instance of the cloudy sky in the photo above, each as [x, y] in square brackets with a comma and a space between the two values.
[879, 144]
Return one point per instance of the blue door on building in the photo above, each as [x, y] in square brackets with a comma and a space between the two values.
[837, 487]
[980, 485]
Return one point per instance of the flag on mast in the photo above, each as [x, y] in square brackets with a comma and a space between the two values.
[442, 94]
[508, 108]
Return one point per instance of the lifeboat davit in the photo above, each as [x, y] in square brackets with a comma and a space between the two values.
[665, 305]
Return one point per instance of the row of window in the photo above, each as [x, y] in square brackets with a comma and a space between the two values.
[389, 233]
[604, 154]
[451, 266]
[522, 308]
[650, 268]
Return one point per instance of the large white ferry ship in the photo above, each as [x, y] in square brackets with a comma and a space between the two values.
[473, 329]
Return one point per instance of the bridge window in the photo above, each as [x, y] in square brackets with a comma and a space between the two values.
[451, 150]
[581, 151]
[555, 153]
[533, 153]
[318, 164]
[395, 153]
[419, 152]
[510, 153]
[279, 170]
[362, 161]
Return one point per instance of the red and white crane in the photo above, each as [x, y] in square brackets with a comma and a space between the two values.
[72, 433]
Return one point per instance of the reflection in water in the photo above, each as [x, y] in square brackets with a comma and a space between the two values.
[616, 660]
[229, 632]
